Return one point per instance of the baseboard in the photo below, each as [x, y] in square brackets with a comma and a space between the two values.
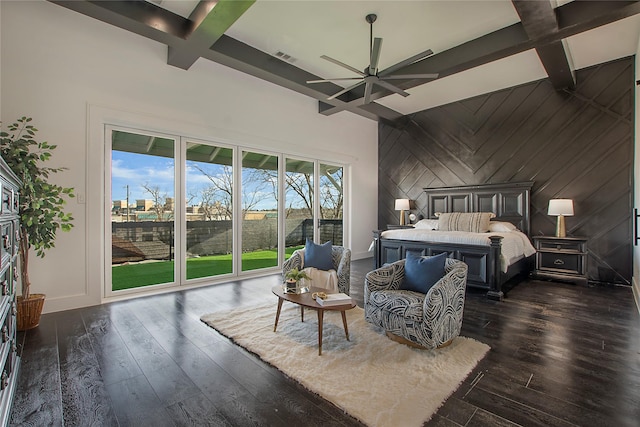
[361, 255]
[635, 286]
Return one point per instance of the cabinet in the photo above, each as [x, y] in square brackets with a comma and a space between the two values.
[561, 258]
[9, 236]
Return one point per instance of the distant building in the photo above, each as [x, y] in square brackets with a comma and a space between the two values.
[143, 205]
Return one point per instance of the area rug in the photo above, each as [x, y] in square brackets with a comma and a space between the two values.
[376, 380]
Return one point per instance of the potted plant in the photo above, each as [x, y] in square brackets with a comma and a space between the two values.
[293, 276]
[41, 207]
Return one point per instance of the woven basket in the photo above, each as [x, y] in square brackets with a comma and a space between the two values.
[29, 311]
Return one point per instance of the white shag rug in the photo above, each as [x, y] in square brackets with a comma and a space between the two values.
[376, 380]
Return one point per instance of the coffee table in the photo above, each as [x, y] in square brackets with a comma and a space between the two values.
[305, 300]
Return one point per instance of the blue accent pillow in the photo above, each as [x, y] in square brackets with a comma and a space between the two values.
[421, 273]
[318, 256]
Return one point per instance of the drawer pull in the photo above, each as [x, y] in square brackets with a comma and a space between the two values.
[5, 380]
[5, 334]
[5, 287]
[558, 262]
[5, 241]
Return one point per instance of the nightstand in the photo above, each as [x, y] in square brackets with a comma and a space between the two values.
[561, 258]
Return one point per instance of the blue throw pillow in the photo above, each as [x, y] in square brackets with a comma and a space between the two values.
[318, 256]
[421, 273]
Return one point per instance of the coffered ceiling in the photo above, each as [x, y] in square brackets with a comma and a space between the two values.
[479, 45]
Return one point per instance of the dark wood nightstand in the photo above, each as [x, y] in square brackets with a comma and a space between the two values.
[561, 258]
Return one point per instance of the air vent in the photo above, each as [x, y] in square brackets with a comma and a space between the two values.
[285, 56]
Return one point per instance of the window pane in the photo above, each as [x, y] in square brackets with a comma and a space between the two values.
[298, 204]
[142, 214]
[331, 204]
[259, 210]
[209, 184]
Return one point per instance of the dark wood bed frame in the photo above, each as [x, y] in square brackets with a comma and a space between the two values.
[509, 201]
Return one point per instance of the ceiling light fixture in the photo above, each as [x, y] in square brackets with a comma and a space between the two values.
[371, 76]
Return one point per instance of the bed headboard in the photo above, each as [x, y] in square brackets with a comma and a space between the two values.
[509, 201]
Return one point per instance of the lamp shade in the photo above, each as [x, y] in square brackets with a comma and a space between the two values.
[402, 204]
[560, 207]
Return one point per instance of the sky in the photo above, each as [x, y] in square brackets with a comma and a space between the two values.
[137, 170]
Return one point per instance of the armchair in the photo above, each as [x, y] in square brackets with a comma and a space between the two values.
[427, 321]
[341, 258]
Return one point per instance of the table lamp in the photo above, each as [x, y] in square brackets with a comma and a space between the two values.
[560, 208]
[402, 205]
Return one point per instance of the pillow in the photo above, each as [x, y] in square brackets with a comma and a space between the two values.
[318, 256]
[500, 226]
[421, 273]
[476, 222]
[429, 224]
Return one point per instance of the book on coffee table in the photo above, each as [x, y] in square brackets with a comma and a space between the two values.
[334, 299]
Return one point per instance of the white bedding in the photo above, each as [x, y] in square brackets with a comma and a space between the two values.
[515, 244]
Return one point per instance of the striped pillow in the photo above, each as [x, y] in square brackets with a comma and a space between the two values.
[476, 222]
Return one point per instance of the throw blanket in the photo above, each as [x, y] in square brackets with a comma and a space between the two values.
[321, 279]
[515, 244]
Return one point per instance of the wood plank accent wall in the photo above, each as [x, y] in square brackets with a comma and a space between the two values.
[572, 144]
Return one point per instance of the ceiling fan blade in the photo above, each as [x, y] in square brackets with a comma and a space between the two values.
[410, 76]
[343, 65]
[367, 92]
[345, 90]
[408, 61]
[392, 88]
[334, 80]
[375, 55]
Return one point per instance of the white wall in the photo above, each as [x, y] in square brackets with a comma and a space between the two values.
[71, 73]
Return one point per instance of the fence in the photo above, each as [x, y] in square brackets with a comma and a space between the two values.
[153, 240]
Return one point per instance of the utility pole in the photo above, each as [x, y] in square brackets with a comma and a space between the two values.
[127, 187]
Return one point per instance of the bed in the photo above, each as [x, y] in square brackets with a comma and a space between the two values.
[492, 259]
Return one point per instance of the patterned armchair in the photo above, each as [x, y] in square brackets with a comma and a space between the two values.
[425, 321]
[341, 257]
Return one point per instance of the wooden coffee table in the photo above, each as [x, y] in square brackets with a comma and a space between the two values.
[305, 300]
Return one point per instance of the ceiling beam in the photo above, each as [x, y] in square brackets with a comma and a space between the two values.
[153, 22]
[210, 21]
[572, 18]
[139, 17]
[491, 47]
[240, 56]
[539, 20]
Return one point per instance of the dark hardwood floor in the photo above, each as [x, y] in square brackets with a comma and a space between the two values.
[561, 355]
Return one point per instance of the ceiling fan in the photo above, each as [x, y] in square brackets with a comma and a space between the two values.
[371, 76]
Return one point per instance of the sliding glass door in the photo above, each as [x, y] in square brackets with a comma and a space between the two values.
[142, 210]
[331, 203]
[208, 210]
[259, 210]
[185, 211]
[299, 203]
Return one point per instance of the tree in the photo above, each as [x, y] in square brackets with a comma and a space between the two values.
[258, 185]
[301, 184]
[217, 197]
[161, 203]
[331, 194]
